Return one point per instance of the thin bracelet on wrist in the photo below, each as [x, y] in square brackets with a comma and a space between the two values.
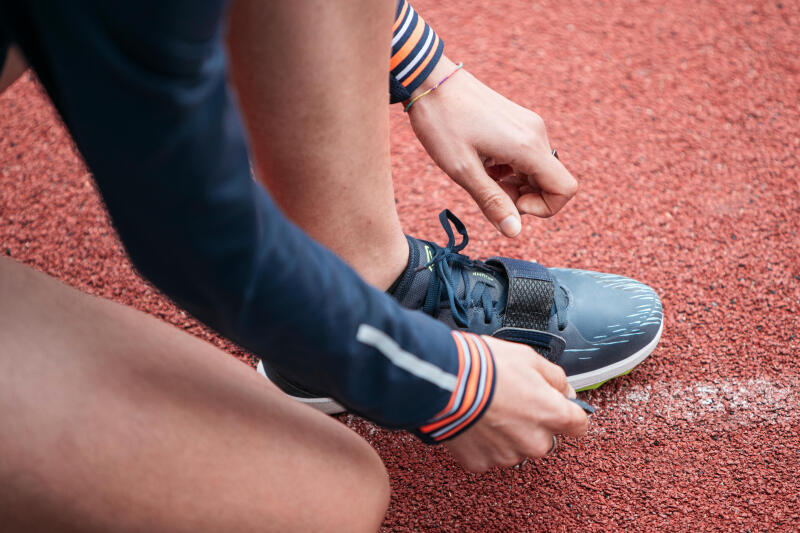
[413, 100]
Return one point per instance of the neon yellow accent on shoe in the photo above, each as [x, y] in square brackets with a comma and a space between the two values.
[429, 256]
[596, 385]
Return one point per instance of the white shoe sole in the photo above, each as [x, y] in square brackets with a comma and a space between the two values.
[328, 406]
[595, 378]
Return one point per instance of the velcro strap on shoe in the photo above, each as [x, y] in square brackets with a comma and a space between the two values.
[529, 306]
[530, 293]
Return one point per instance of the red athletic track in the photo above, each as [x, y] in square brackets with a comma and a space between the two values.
[680, 120]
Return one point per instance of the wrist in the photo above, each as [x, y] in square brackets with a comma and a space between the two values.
[472, 392]
[444, 67]
[435, 88]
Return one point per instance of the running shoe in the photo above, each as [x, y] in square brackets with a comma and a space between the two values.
[595, 326]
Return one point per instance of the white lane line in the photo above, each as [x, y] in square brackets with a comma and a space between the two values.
[730, 401]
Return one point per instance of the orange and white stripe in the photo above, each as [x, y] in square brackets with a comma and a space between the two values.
[415, 47]
[472, 393]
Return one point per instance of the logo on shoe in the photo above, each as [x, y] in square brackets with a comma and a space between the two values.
[485, 276]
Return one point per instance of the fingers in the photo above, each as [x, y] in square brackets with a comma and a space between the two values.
[565, 417]
[562, 416]
[479, 456]
[540, 444]
[575, 421]
[557, 413]
[474, 455]
[493, 200]
[495, 171]
[510, 189]
[555, 185]
[552, 374]
[530, 156]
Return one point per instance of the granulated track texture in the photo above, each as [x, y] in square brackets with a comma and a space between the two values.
[680, 121]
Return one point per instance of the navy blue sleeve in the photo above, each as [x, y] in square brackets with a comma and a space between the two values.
[142, 88]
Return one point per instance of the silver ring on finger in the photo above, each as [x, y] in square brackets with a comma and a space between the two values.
[554, 446]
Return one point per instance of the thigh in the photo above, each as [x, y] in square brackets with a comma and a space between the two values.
[12, 65]
[113, 420]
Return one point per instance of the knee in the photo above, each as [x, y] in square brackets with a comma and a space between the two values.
[370, 488]
[380, 491]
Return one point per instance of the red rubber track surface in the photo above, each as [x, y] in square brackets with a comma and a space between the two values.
[680, 119]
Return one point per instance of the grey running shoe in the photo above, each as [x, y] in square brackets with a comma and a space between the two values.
[595, 326]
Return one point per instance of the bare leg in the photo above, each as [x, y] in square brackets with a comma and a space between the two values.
[111, 420]
[313, 83]
[13, 68]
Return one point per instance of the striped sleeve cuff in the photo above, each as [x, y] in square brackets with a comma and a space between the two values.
[472, 394]
[416, 49]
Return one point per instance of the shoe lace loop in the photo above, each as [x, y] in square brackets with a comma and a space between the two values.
[446, 264]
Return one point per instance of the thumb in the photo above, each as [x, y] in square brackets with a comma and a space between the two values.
[497, 206]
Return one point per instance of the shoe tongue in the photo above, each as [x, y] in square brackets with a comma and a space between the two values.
[412, 287]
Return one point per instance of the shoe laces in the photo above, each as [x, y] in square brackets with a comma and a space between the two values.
[447, 263]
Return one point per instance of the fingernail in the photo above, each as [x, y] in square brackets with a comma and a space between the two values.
[572, 394]
[511, 226]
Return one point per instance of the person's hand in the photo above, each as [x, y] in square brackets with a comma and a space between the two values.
[529, 406]
[495, 149]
